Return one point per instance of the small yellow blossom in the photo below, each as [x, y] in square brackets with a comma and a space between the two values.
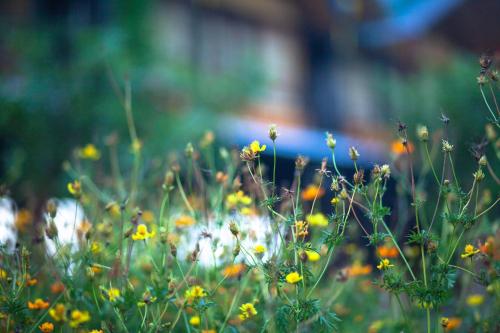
[238, 198]
[58, 312]
[195, 320]
[256, 147]
[96, 331]
[3, 274]
[208, 331]
[384, 264]
[142, 233]
[75, 189]
[475, 300]
[184, 221]
[259, 249]
[469, 251]
[195, 293]
[89, 152]
[247, 311]
[293, 277]
[317, 219]
[113, 294]
[335, 200]
[38, 304]
[232, 271]
[46, 327]
[95, 247]
[312, 255]
[78, 317]
[301, 229]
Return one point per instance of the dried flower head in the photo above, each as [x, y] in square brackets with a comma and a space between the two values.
[353, 153]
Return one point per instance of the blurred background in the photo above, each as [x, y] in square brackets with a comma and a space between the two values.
[353, 67]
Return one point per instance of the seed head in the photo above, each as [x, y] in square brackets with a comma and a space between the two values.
[273, 132]
[447, 147]
[423, 133]
[330, 141]
[353, 153]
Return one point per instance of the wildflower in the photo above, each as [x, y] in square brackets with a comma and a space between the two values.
[46, 327]
[256, 147]
[247, 154]
[312, 255]
[78, 317]
[353, 153]
[387, 251]
[469, 251]
[195, 320]
[221, 177]
[273, 132]
[38, 304]
[317, 219]
[113, 294]
[423, 133]
[114, 209]
[293, 277]
[376, 326]
[30, 281]
[184, 221]
[234, 229]
[399, 147]
[450, 323]
[478, 175]
[475, 300]
[3, 274]
[189, 150]
[356, 269]
[95, 247]
[247, 311]
[89, 152]
[335, 200]
[384, 264]
[75, 189]
[301, 229]
[385, 171]
[259, 249]
[58, 312]
[96, 331]
[311, 192]
[142, 233]
[148, 216]
[330, 141]
[301, 162]
[447, 147]
[195, 293]
[57, 287]
[238, 198]
[488, 248]
[208, 331]
[234, 270]
[24, 218]
[207, 139]
[147, 298]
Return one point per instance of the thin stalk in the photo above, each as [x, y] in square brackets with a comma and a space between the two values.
[183, 194]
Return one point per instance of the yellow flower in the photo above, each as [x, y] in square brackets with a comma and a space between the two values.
[317, 219]
[311, 192]
[301, 229]
[58, 312]
[384, 264]
[293, 277]
[376, 326]
[89, 152]
[75, 188]
[23, 219]
[46, 327]
[208, 331]
[475, 300]
[247, 311]
[96, 331]
[238, 198]
[259, 249]
[335, 200]
[3, 274]
[142, 233]
[78, 317]
[232, 271]
[256, 147]
[469, 251]
[38, 304]
[148, 216]
[95, 247]
[312, 255]
[195, 320]
[184, 221]
[195, 293]
[113, 294]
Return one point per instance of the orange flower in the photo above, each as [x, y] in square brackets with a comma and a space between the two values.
[387, 251]
[233, 271]
[356, 269]
[23, 219]
[46, 327]
[398, 148]
[490, 249]
[38, 304]
[311, 192]
[184, 221]
[451, 323]
[57, 287]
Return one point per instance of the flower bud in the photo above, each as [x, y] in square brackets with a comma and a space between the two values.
[353, 153]
[234, 229]
[189, 150]
[273, 132]
[51, 230]
[169, 178]
[330, 141]
[483, 161]
[423, 133]
[300, 162]
[479, 175]
[52, 208]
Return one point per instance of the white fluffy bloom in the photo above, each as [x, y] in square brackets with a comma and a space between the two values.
[8, 232]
